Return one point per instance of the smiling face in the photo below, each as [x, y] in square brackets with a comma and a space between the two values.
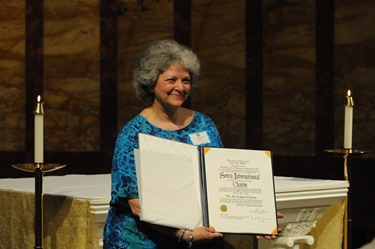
[172, 87]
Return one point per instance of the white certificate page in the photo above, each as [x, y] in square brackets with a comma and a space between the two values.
[168, 182]
[240, 191]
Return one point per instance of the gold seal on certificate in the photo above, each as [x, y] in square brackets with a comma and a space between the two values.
[223, 208]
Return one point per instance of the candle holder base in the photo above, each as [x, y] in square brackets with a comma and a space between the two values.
[342, 152]
[44, 167]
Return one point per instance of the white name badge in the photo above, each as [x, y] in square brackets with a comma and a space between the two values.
[199, 138]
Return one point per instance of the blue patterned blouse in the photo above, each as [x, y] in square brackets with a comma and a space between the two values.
[123, 229]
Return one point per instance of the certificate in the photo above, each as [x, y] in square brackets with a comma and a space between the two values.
[186, 186]
[240, 191]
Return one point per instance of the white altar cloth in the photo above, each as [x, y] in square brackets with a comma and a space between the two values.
[75, 207]
[95, 187]
[301, 193]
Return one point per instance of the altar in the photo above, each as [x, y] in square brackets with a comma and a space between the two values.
[75, 209]
[313, 213]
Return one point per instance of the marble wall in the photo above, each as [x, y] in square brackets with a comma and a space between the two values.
[289, 77]
[12, 92]
[218, 36]
[71, 75]
[72, 70]
[355, 69]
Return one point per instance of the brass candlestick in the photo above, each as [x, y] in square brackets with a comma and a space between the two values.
[347, 154]
[38, 168]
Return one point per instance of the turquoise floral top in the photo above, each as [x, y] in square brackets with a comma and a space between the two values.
[123, 229]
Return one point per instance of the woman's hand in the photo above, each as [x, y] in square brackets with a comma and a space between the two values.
[200, 235]
[279, 230]
[135, 206]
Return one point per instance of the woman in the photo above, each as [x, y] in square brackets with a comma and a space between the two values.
[163, 78]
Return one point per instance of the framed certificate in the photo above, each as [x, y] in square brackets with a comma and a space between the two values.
[183, 185]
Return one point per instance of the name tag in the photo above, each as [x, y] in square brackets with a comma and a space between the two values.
[199, 138]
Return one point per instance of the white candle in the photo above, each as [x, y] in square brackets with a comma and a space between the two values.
[348, 123]
[38, 132]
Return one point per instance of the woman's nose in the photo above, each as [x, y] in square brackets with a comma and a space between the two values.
[179, 85]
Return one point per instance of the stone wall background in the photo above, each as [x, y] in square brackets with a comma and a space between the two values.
[71, 70]
[12, 93]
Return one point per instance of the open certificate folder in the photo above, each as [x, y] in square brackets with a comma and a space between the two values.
[186, 186]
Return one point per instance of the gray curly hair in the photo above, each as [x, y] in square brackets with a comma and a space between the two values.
[158, 57]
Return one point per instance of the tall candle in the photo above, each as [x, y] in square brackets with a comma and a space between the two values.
[38, 132]
[348, 122]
